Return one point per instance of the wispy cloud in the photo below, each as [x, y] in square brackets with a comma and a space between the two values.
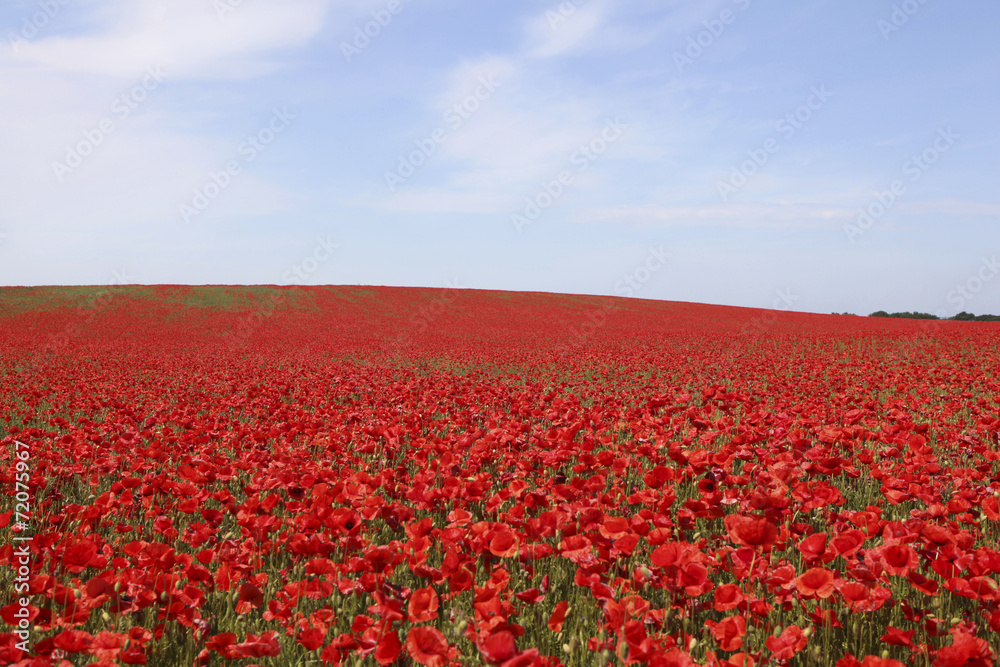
[191, 38]
[752, 216]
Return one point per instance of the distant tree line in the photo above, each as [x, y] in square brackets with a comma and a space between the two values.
[961, 317]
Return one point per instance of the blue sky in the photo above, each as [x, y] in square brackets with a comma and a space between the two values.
[718, 151]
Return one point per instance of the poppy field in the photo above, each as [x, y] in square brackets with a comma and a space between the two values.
[390, 476]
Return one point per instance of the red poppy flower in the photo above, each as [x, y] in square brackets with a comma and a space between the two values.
[266, 645]
[614, 527]
[694, 578]
[876, 661]
[966, 650]
[848, 542]
[380, 557]
[729, 633]
[459, 517]
[78, 554]
[899, 559]
[531, 596]
[423, 605]
[813, 547]
[427, 646]
[461, 580]
[558, 616]
[577, 548]
[106, 646]
[219, 642]
[983, 588]
[666, 555]
[678, 658]
[816, 582]
[751, 531]
[922, 583]
[897, 637]
[141, 636]
[133, 655]
[312, 638]
[529, 658]
[788, 643]
[504, 544]
[73, 641]
[498, 647]
[991, 508]
[251, 597]
[627, 543]
[727, 596]
[388, 648]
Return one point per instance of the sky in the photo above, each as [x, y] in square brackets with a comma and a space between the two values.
[829, 156]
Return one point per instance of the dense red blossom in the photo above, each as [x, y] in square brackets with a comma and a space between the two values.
[751, 531]
[427, 646]
[277, 476]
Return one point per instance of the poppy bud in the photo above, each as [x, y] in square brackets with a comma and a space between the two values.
[692, 645]
[808, 632]
[118, 586]
[105, 616]
[885, 654]
[956, 621]
[567, 648]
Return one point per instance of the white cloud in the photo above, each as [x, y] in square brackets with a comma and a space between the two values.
[950, 207]
[525, 133]
[754, 215]
[151, 162]
[564, 28]
[188, 37]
